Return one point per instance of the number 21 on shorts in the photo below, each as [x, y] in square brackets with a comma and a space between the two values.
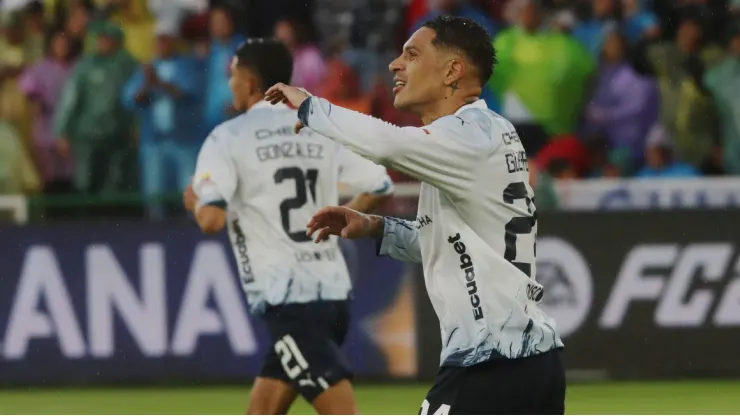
[287, 349]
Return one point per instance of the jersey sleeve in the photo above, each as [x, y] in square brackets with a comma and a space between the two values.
[215, 177]
[362, 175]
[443, 154]
[400, 240]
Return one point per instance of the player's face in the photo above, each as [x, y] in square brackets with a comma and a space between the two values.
[419, 72]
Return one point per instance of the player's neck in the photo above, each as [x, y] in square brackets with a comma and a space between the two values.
[446, 107]
[252, 100]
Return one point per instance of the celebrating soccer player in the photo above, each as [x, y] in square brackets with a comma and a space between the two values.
[263, 181]
[476, 227]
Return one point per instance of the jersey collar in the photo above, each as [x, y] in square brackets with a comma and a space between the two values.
[476, 104]
[265, 104]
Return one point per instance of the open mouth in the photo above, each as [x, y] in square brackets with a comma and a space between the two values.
[399, 85]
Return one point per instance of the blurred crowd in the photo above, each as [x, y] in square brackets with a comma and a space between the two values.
[117, 95]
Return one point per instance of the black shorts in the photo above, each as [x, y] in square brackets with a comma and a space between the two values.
[306, 345]
[533, 385]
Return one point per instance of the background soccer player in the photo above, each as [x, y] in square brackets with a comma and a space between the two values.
[476, 227]
[257, 176]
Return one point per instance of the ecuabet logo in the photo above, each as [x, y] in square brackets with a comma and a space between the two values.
[566, 277]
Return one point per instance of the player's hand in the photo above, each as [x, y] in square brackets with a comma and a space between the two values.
[289, 95]
[344, 222]
[286, 94]
[189, 199]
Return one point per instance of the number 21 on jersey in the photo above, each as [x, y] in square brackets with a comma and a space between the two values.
[302, 181]
[519, 225]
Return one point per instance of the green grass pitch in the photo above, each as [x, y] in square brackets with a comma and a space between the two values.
[716, 397]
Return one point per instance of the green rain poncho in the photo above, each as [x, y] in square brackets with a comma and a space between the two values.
[547, 71]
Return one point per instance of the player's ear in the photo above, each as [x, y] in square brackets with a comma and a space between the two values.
[249, 81]
[250, 84]
[454, 71]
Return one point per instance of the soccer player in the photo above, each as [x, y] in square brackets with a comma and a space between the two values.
[263, 181]
[476, 224]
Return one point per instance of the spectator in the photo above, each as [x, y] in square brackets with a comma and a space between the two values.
[138, 27]
[224, 42]
[723, 81]
[618, 164]
[672, 12]
[243, 21]
[309, 68]
[75, 23]
[42, 85]
[358, 52]
[13, 60]
[686, 112]
[560, 168]
[592, 33]
[459, 8]
[624, 105]
[34, 26]
[607, 162]
[660, 158]
[261, 16]
[164, 94]
[91, 123]
[17, 173]
[568, 148]
[639, 25]
[540, 78]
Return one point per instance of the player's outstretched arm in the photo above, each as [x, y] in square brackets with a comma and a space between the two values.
[398, 239]
[443, 154]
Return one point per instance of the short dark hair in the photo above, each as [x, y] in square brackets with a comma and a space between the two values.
[469, 37]
[269, 59]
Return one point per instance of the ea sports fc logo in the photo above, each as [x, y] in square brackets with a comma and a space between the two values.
[566, 277]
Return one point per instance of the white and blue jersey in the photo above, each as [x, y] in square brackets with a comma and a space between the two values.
[271, 181]
[476, 224]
